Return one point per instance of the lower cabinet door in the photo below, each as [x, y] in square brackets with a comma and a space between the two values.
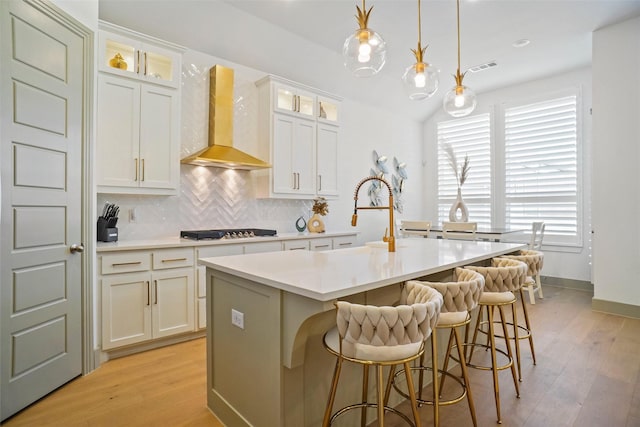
[126, 309]
[172, 304]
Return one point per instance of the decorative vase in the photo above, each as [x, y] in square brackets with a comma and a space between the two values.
[458, 211]
[301, 224]
[315, 224]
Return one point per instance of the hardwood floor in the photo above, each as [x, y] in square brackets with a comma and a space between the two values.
[588, 374]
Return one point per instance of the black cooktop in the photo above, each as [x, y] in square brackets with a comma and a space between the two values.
[227, 233]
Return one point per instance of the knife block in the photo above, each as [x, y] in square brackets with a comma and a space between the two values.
[106, 233]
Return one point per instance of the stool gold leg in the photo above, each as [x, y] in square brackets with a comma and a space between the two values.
[434, 368]
[380, 396]
[365, 392]
[445, 364]
[465, 376]
[332, 393]
[412, 394]
[494, 364]
[509, 351]
[528, 325]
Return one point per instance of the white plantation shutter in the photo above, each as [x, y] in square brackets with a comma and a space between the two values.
[541, 168]
[468, 136]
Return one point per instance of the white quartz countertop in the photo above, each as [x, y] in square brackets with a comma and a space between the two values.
[177, 242]
[328, 275]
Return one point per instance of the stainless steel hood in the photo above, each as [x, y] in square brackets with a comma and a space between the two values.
[220, 152]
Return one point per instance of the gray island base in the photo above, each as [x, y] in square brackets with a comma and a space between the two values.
[267, 313]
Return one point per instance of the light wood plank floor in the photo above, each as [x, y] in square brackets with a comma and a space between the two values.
[587, 375]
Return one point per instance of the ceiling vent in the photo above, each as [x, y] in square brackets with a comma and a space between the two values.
[483, 67]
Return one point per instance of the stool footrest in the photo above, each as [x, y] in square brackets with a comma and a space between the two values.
[430, 402]
[370, 405]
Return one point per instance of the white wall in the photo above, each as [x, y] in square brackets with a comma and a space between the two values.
[616, 155]
[567, 263]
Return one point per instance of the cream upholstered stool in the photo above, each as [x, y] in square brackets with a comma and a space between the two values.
[501, 280]
[534, 261]
[379, 337]
[460, 297]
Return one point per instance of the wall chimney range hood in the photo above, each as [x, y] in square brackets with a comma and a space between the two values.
[220, 152]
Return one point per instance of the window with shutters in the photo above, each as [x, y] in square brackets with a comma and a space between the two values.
[541, 167]
[469, 136]
[536, 177]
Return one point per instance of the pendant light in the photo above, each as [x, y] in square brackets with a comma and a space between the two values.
[420, 79]
[364, 51]
[460, 101]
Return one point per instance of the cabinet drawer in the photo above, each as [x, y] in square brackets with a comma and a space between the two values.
[172, 258]
[296, 245]
[344, 242]
[321, 244]
[125, 262]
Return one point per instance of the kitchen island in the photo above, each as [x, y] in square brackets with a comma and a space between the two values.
[267, 313]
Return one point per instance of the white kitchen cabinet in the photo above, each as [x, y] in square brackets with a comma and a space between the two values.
[296, 245]
[139, 306]
[299, 131]
[134, 55]
[138, 120]
[293, 152]
[342, 242]
[324, 244]
[138, 135]
[327, 160]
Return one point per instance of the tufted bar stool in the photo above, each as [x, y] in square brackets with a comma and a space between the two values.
[375, 336]
[460, 297]
[534, 261]
[501, 280]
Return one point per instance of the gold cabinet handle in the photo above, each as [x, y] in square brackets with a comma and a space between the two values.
[174, 259]
[321, 246]
[148, 294]
[155, 286]
[119, 264]
[145, 63]
[138, 64]
[345, 244]
[319, 182]
[136, 161]
[142, 170]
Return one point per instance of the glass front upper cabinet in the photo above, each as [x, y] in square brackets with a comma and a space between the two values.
[132, 58]
[328, 110]
[294, 100]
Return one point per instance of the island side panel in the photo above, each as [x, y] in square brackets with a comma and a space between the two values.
[244, 377]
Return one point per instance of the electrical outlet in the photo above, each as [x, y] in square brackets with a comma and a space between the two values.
[133, 215]
[237, 318]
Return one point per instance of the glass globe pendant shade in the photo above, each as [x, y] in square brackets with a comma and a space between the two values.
[364, 52]
[420, 81]
[460, 101]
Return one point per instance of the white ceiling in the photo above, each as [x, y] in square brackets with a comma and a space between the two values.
[243, 31]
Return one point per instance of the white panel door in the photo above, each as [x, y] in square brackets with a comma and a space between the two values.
[41, 132]
[172, 304]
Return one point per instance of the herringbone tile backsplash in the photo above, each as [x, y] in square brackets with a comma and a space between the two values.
[209, 197]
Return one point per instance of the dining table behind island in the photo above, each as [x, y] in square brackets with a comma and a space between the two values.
[267, 313]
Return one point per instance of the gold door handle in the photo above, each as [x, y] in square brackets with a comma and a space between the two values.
[174, 259]
[76, 248]
[136, 161]
[148, 295]
[138, 64]
[155, 286]
[142, 170]
[145, 63]
[319, 182]
[119, 264]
